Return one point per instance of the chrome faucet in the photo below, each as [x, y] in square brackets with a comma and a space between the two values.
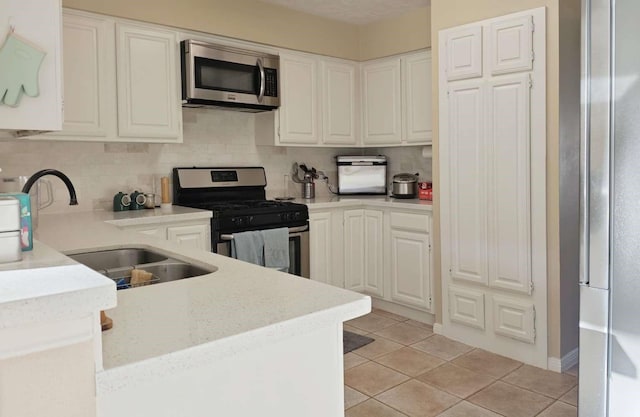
[73, 201]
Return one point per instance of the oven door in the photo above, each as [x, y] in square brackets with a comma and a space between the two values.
[298, 249]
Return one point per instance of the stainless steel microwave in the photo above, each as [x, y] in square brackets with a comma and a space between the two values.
[221, 76]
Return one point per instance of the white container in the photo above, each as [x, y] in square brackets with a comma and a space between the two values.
[9, 214]
[10, 248]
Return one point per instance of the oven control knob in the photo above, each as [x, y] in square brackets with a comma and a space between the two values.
[250, 220]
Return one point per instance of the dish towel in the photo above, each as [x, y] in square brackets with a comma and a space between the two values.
[276, 248]
[248, 247]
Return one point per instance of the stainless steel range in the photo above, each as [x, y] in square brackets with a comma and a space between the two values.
[237, 198]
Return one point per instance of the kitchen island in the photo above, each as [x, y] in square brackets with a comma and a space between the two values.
[241, 341]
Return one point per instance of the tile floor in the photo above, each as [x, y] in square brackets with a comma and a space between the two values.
[410, 372]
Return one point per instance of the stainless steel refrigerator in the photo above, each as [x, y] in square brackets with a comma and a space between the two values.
[610, 210]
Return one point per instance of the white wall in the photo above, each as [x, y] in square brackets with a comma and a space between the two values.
[211, 138]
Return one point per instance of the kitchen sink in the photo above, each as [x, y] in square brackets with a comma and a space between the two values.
[118, 265]
[117, 258]
[161, 272]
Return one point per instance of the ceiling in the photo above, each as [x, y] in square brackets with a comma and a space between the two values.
[353, 11]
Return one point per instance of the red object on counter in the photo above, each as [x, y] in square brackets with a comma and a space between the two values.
[425, 190]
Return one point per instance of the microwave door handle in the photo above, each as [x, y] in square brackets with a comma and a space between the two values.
[262, 80]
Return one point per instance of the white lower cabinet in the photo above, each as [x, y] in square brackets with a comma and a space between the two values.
[196, 236]
[382, 252]
[410, 269]
[192, 234]
[363, 252]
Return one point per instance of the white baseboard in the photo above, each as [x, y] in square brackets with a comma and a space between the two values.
[437, 328]
[567, 362]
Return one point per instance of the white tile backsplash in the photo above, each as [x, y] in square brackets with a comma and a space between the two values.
[211, 138]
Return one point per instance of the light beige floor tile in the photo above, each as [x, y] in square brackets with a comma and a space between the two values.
[373, 408]
[551, 384]
[355, 330]
[420, 324]
[380, 346]
[389, 315]
[404, 333]
[372, 378]
[456, 380]
[573, 370]
[442, 347]
[371, 322]
[353, 397]
[510, 401]
[465, 409]
[351, 360]
[559, 409]
[417, 399]
[484, 362]
[571, 397]
[410, 361]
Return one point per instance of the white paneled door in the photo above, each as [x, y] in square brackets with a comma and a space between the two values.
[493, 169]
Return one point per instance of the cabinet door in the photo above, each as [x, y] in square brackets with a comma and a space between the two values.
[320, 242]
[410, 269]
[338, 103]
[39, 21]
[89, 74]
[464, 53]
[416, 89]
[381, 103]
[354, 253]
[148, 83]
[373, 252]
[299, 101]
[195, 236]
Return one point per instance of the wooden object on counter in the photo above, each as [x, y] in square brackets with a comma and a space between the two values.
[164, 183]
[105, 322]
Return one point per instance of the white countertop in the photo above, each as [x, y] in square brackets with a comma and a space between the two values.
[160, 328]
[382, 201]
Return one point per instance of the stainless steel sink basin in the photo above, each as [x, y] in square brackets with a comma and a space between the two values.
[117, 258]
[117, 264]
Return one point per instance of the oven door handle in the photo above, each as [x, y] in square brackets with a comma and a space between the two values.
[292, 230]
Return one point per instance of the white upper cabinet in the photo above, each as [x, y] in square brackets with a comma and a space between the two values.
[38, 22]
[148, 81]
[339, 113]
[318, 101]
[417, 101]
[299, 100]
[89, 71]
[464, 53]
[396, 100]
[511, 45]
[121, 81]
[381, 105]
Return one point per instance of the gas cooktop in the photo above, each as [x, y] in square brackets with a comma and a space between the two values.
[236, 196]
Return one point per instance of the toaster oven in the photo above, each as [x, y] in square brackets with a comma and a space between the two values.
[363, 175]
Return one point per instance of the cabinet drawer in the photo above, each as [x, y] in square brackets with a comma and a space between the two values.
[410, 221]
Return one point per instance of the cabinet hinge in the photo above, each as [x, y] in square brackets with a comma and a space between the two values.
[530, 82]
[533, 55]
[534, 322]
[278, 131]
[530, 287]
[533, 25]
